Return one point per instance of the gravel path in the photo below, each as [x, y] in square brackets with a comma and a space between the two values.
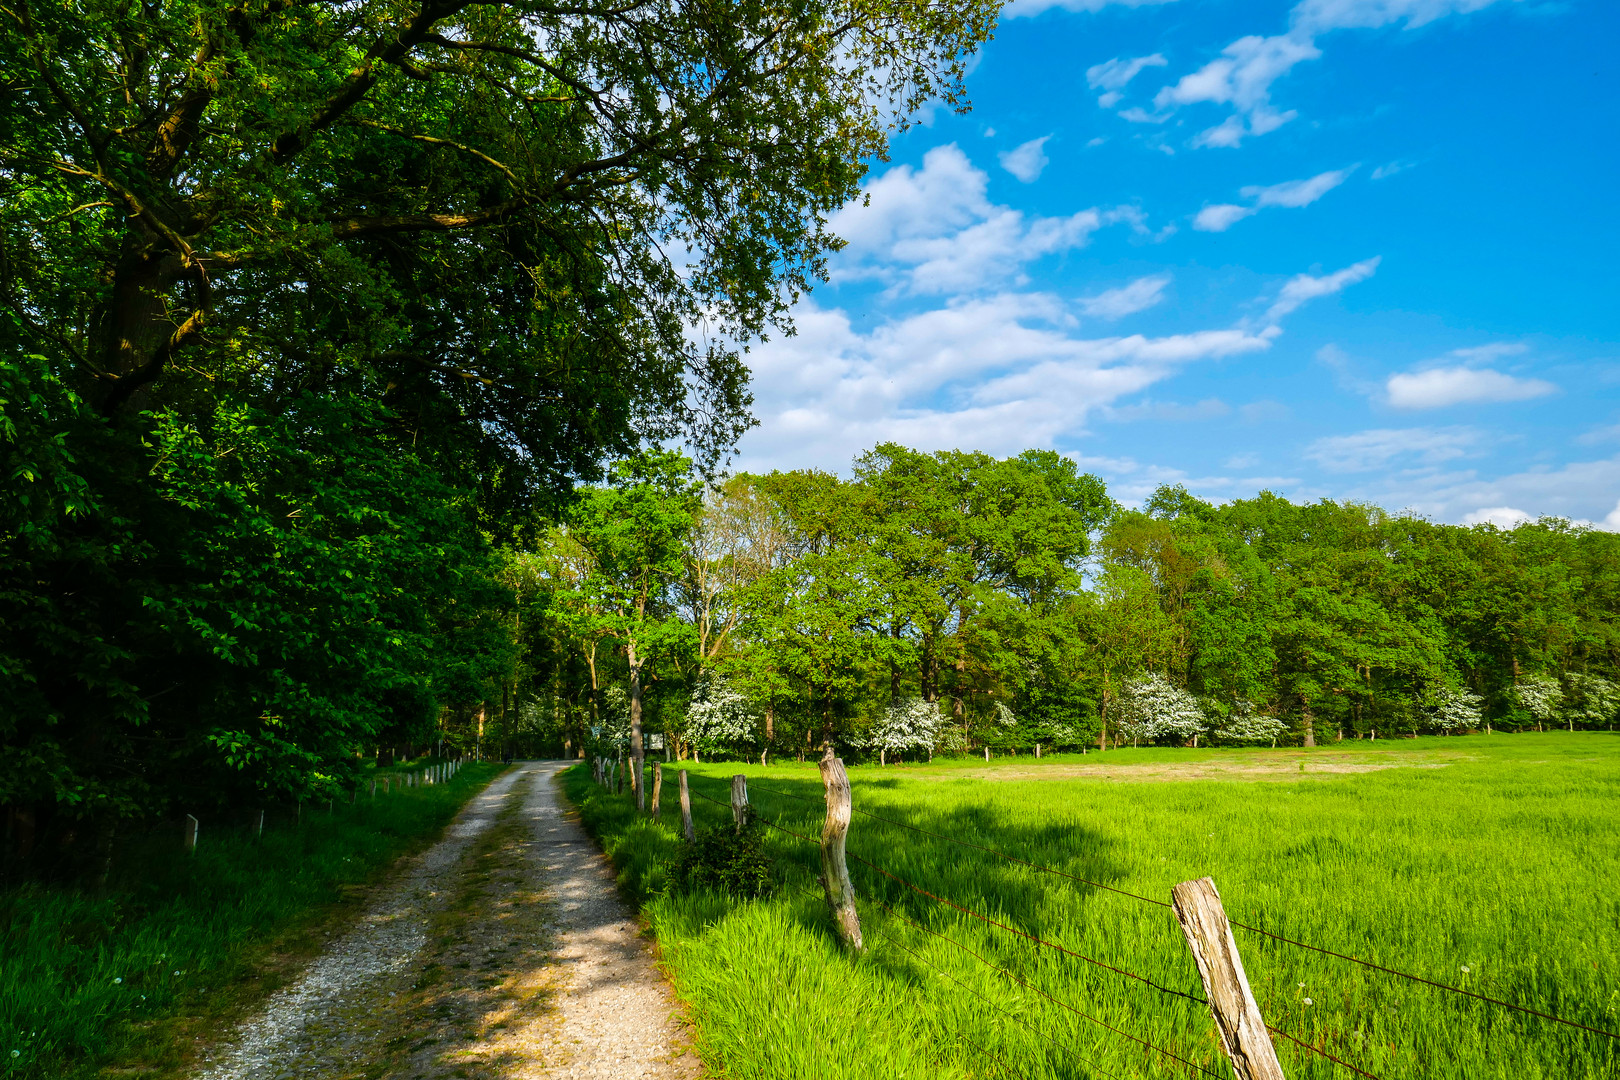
[502, 951]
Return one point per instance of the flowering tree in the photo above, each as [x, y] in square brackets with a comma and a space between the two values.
[720, 716]
[1543, 697]
[1592, 699]
[913, 724]
[1247, 724]
[1150, 707]
[1457, 710]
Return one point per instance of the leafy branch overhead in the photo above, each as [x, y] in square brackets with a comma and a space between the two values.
[512, 212]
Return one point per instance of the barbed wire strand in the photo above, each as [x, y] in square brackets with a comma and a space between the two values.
[1035, 989]
[981, 847]
[1243, 926]
[1421, 979]
[1025, 934]
[1234, 922]
[763, 819]
[1318, 1050]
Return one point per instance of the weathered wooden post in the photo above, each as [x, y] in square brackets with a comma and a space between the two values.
[686, 811]
[1037, 751]
[373, 789]
[258, 824]
[633, 771]
[739, 800]
[658, 787]
[354, 795]
[191, 833]
[834, 868]
[987, 753]
[1237, 1016]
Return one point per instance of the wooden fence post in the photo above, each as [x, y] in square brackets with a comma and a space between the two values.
[834, 869]
[658, 787]
[1209, 936]
[374, 789]
[1037, 751]
[686, 810]
[191, 833]
[739, 800]
[258, 825]
[987, 753]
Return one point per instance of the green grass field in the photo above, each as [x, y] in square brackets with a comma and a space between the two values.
[1490, 863]
[179, 943]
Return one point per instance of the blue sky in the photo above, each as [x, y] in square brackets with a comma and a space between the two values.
[1361, 249]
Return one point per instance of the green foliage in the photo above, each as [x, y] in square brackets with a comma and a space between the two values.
[726, 860]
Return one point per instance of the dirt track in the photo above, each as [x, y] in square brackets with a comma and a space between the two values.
[500, 952]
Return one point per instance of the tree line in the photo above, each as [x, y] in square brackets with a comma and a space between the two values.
[953, 601]
[308, 313]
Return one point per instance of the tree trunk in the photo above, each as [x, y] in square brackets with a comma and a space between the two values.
[637, 752]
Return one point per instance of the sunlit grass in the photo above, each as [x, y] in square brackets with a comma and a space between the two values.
[1486, 862]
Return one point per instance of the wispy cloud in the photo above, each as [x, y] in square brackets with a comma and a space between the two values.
[1243, 75]
[1028, 8]
[1390, 168]
[1292, 194]
[1139, 295]
[1112, 76]
[1028, 160]
[1382, 447]
[1305, 287]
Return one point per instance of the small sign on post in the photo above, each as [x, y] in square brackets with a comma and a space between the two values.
[739, 800]
[686, 811]
[191, 833]
[834, 868]
[1243, 1030]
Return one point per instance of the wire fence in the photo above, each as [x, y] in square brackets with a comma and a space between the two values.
[871, 897]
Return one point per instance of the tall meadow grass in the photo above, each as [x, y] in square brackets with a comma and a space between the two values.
[1498, 872]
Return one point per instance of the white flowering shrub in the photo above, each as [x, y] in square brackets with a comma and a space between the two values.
[913, 724]
[1003, 716]
[1247, 724]
[1592, 699]
[1151, 707]
[1543, 697]
[613, 717]
[1457, 710]
[720, 716]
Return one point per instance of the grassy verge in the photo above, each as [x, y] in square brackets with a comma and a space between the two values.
[1490, 863]
[131, 979]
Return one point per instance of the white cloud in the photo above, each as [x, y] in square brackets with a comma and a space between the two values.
[1487, 353]
[1139, 295]
[1027, 8]
[1242, 76]
[1000, 373]
[1436, 388]
[1610, 433]
[1611, 522]
[1304, 287]
[1581, 491]
[1111, 76]
[933, 230]
[1221, 217]
[1390, 168]
[1320, 16]
[1241, 461]
[1027, 161]
[1503, 517]
[1382, 447]
[1297, 193]
[1292, 193]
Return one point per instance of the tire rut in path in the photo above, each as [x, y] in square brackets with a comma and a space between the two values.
[502, 951]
